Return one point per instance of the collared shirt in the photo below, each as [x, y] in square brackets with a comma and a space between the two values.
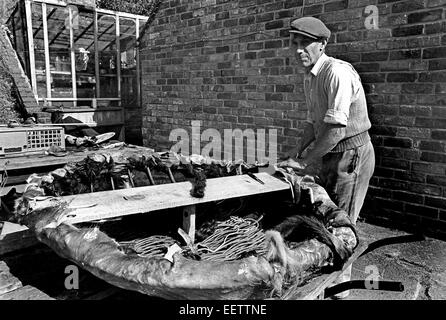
[334, 94]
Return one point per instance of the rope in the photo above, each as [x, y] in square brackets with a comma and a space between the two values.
[154, 246]
[232, 239]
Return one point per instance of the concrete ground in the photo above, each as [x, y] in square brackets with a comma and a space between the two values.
[420, 266]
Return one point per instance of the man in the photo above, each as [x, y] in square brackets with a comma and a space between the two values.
[337, 122]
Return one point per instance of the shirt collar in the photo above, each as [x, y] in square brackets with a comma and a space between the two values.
[317, 66]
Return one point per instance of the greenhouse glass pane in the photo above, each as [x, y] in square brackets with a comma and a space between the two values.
[39, 48]
[85, 56]
[128, 62]
[107, 56]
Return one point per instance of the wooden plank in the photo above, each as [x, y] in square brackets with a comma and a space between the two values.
[79, 99]
[116, 203]
[13, 241]
[189, 221]
[8, 282]
[26, 293]
[26, 162]
[317, 285]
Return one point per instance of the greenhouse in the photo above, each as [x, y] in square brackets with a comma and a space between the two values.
[79, 57]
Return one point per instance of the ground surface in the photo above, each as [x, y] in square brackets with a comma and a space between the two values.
[420, 266]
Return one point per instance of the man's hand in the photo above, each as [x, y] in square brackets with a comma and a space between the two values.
[289, 154]
[291, 163]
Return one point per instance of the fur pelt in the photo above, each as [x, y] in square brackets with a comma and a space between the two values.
[299, 228]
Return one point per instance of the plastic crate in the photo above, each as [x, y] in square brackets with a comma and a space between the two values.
[30, 140]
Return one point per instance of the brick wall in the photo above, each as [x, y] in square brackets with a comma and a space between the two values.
[227, 64]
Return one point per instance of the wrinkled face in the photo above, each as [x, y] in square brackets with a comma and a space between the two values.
[306, 50]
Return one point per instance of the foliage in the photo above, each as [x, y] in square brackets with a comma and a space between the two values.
[130, 6]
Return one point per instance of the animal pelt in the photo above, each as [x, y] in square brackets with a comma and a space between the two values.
[197, 176]
[299, 228]
[22, 205]
[278, 251]
[7, 204]
[198, 184]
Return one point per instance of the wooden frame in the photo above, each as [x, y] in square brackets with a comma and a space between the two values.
[48, 42]
[123, 202]
[47, 50]
[32, 61]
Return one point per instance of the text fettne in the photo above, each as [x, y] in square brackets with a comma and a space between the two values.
[228, 309]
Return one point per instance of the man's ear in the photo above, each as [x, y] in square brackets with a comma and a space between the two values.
[324, 43]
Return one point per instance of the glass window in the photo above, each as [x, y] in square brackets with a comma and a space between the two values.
[127, 41]
[108, 75]
[58, 21]
[85, 56]
[39, 48]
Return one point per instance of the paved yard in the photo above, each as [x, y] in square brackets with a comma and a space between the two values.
[420, 266]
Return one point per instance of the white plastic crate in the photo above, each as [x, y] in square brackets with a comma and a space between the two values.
[30, 140]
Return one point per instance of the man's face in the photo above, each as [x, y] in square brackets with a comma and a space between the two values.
[306, 50]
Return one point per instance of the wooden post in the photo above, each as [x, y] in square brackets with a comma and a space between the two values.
[171, 177]
[138, 68]
[149, 175]
[47, 51]
[32, 62]
[118, 73]
[72, 54]
[189, 221]
[96, 55]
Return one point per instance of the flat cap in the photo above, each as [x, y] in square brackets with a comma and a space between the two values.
[310, 27]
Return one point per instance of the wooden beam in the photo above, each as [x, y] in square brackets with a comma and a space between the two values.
[47, 17]
[96, 55]
[53, 2]
[17, 240]
[84, 32]
[26, 293]
[122, 14]
[57, 36]
[138, 68]
[80, 99]
[47, 52]
[99, 36]
[189, 215]
[117, 203]
[32, 61]
[118, 56]
[73, 55]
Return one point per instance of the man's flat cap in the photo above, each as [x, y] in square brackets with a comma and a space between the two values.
[310, 27]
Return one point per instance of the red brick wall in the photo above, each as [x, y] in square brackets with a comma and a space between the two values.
[227, 64]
